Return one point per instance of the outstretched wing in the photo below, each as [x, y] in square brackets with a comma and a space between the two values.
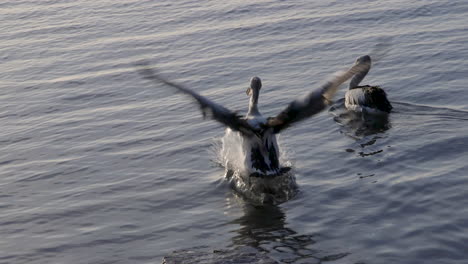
[313, 102]
[208, 108]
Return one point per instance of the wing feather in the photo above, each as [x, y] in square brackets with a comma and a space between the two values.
[208, 107]
[314, 101]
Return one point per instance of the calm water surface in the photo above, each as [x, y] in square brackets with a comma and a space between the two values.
[101, 166]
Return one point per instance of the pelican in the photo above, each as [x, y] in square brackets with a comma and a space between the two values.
[366, 98]
[258, 133]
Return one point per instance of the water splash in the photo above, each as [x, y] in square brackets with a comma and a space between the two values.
[230, 154]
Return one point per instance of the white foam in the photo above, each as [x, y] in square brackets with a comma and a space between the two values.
[232, 156]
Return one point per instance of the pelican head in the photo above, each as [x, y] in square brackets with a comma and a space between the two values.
[255, 85]
[358, 77]
[363, 59]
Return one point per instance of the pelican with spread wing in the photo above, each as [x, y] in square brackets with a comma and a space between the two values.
[258, 133]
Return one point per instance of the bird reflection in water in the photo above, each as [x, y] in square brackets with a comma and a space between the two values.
[359, 124]
[362, 127]
[264, 228]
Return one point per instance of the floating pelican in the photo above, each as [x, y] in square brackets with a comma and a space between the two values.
[368, 99]
[258, 134]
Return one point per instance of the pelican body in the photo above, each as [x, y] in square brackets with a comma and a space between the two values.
[366, 98]
[260, 149]
[257, 133]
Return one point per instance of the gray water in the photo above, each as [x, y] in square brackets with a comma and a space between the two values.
[102, 166]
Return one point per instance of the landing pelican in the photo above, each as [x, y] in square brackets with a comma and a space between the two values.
[260, 148]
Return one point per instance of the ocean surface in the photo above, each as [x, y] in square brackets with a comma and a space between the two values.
[99, 165]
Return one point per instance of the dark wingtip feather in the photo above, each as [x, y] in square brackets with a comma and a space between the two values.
[377, 98]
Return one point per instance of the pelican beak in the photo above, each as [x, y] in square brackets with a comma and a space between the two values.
[249, 91]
